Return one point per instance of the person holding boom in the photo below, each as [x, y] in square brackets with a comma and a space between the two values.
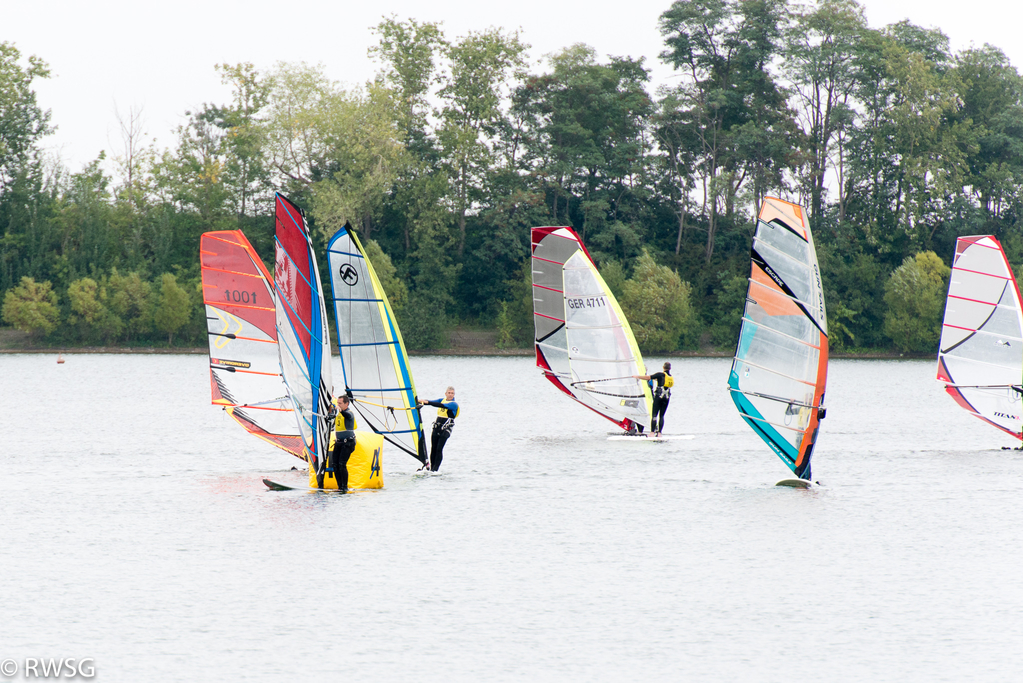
[663, 382]
[447, 411]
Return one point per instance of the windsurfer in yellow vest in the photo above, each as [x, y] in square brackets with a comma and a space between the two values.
[662, 384]
[447, 411]
[344, 443]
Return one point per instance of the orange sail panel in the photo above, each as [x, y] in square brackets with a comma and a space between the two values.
[245, 371]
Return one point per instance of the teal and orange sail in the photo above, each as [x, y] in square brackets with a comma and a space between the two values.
[301, 322]
[245, 371]
[780, 369]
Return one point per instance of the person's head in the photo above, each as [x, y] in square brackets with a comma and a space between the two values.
[342, 401]
[449, 393]
[667, 367]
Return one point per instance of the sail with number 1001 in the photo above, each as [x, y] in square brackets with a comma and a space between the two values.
[245, 369]
[583, 341]
[780, 368]
[980, 356]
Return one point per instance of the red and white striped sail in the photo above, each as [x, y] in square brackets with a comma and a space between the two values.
[245, 370]
[584, 343]
[980, 358]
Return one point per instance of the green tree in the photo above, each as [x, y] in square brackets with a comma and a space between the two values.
[131, 301]
[584, 134]
[915, 295]
[245, 171]
[341, 145]
[32, 307]
[409, 51]
[820, 53]
[173, 307]
[481, 64]
[90, 311]
[394, 287]
[658, 306]
[723, 49]
[22, 122]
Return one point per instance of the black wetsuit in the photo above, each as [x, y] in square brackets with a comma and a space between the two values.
[344, 445]
[441, 430]
[662, 395]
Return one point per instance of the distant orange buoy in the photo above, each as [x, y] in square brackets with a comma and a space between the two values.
[60, 358]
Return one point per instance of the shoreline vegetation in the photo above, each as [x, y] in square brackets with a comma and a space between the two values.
[893, 144]
[461, 342]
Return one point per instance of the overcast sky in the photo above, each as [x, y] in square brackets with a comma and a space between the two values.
[112, 55]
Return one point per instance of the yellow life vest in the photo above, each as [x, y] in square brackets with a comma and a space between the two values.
[339, 422]
[443, 412]
[664, 390]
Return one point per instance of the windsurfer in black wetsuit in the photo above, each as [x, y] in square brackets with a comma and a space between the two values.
[344, 443]
[663, 382]
[447, 411]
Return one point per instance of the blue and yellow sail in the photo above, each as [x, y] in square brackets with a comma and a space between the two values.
[374, 360]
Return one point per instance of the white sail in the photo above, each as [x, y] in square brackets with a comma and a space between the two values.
[980, 357]
[583, 341]
[601, 359]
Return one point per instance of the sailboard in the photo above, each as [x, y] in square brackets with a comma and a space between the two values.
[245, 371]
[583, 341]
[980, 356]
[304, 348]
[779, 372]
[374, 361]
[651, 438]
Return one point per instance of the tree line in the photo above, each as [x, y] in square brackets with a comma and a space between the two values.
[894, 143]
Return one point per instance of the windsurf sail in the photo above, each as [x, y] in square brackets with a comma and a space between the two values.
[245, 370]
[583, 341]
[373, 356]
[303, 339]
[980, 357]
[780, 368]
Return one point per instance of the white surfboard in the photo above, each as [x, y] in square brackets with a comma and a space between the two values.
[644, 437]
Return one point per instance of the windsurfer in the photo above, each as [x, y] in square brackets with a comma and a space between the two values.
[344, 442]
[447, 411]
[663, 382]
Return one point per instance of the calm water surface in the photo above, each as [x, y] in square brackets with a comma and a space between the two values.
[134, 529]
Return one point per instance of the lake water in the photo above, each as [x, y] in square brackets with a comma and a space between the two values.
[135, 531]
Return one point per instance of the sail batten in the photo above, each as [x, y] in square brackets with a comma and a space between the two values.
[779, 372]
[980, 357]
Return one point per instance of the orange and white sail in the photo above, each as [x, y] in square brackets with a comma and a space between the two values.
[245, 370]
